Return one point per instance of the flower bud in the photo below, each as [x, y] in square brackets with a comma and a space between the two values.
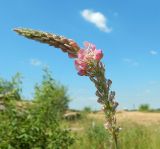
[115, 104]
[98, 94]
[109, 82]
[111, 96]
[107, 126]
[100, 100]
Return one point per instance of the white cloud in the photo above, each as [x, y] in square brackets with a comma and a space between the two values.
[153, 52]
[35, 62]
[131, 62]
[96, 18]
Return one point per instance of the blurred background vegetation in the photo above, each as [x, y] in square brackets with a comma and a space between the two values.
[33, 124]
[46, 122]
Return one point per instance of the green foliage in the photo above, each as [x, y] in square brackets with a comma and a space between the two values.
[87, 109]
[155, 110]
[144, 107]
[34, 124]
[11, 90]
[97, 136]
[132, 136]
[136, 136]
[50, 91]
[34, 128]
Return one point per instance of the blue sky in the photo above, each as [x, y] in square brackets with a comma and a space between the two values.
[127, 32]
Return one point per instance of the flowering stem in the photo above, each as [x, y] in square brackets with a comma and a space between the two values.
[106, 99]
[88, 64]
[65, 44]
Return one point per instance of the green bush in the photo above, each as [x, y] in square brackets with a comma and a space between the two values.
[50, 91]
[144, 107]
[36, 125]
[35, 128]
[11, 90]
[87, 109]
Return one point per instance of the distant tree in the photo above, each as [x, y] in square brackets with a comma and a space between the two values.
[144, 107]
[11, 90]
[87, 109]
[51, 91]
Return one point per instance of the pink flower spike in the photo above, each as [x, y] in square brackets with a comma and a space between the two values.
[98, 55]
[81, 54]
[86, 44]
[89, 45]
[80, 65]
[76, 62]
[93, 47]
[87, 59]
[82, 72]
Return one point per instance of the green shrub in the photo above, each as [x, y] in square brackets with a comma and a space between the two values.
[87, 109]
[11, 90]
[35, 128]
[50, 91]
[38, 125]
[144, 107]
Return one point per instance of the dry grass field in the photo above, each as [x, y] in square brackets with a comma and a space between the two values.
[140, 130]
[146, 118]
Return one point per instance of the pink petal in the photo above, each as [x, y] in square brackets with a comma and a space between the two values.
[82, 72]
[93, 47]
[81, 54]
[98, 55]
[76, 62]
[89, 45]
[86, 44]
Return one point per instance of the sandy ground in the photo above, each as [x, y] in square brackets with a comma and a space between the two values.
[138, 117]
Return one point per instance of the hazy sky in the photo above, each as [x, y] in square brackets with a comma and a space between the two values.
[127, 31]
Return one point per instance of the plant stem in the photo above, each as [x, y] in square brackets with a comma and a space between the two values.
[115, 139]
[109, 105]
